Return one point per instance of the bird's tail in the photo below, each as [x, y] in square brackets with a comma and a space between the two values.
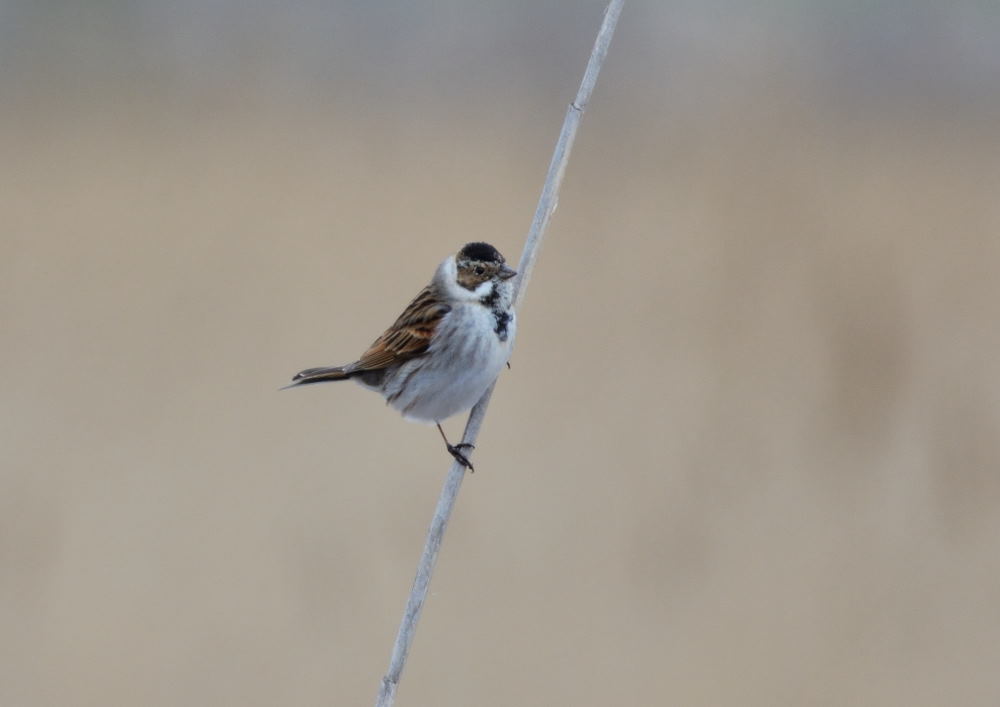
[321, 375]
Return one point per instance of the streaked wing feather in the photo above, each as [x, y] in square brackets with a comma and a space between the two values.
[409, 336]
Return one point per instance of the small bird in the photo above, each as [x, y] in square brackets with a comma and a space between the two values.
[447, 346]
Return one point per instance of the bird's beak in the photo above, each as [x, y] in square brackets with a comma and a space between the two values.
[506, 273]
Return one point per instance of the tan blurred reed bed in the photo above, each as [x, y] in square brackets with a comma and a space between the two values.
[746, 453]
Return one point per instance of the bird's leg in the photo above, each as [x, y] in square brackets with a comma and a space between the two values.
[456, 450]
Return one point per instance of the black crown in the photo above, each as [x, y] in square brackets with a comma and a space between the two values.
[480, 251]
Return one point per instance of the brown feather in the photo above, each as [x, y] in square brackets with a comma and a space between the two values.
[409, 336]
[319, 375]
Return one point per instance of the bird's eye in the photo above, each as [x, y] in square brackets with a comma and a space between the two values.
[480, 270]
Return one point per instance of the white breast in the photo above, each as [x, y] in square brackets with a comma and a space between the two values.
[465, 357]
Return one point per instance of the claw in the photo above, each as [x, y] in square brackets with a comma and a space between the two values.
[453, 449]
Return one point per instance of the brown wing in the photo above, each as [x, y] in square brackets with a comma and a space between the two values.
[409, 336]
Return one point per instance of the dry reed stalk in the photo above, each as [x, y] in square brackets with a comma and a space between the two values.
[546, 207]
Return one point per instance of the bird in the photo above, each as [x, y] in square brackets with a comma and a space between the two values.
[445, 349]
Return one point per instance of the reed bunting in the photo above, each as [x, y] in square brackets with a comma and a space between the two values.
[447, 346]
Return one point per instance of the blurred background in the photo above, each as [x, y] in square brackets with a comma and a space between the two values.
[748, 450]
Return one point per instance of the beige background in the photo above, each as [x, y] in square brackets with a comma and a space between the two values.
[748, 450]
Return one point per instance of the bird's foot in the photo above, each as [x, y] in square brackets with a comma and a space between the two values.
[456, 451]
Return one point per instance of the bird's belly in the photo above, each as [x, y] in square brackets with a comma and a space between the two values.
[461, 363]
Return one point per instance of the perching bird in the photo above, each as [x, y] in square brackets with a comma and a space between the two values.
[447, 346]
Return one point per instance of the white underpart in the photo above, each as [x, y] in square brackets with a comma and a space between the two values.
[464, 358]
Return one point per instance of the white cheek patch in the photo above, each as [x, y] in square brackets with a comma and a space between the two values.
[484, 290]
